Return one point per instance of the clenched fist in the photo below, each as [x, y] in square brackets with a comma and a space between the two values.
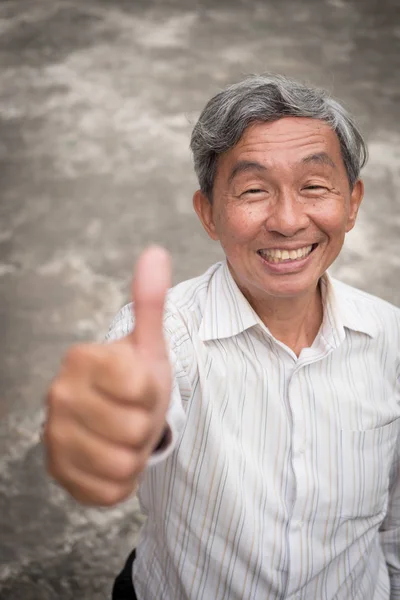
[107, 406]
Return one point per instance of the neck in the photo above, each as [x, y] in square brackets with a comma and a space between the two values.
[293, 321]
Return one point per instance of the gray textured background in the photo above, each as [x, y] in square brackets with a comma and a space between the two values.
[97, 100]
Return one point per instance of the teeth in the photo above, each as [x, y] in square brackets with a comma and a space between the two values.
[276, 255]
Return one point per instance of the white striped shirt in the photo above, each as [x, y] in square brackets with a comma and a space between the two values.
[283, 476]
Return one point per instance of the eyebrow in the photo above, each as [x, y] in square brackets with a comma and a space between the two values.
[242, 166]
[245, 165]
[321, 158]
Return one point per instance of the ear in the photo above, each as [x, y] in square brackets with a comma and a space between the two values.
[205, 211]
[356, 197]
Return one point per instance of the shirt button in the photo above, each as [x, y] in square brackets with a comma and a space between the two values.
[300, 524]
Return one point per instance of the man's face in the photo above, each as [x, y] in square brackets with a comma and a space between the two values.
[281, 207]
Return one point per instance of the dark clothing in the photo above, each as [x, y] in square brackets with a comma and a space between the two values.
[123, 587]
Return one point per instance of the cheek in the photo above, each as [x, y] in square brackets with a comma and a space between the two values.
[239, 224]
[332, 218]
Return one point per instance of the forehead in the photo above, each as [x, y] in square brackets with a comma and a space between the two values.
[289, 139]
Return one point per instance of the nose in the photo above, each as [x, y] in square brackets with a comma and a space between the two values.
[287, 216]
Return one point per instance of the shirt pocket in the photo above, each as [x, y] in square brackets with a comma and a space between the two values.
[365, 461]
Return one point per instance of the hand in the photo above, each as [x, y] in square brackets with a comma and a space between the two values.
[107, 406]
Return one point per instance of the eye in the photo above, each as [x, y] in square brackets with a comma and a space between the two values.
[315, 187]
[254, 191]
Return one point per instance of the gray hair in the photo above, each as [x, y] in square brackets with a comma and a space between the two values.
[267, 98]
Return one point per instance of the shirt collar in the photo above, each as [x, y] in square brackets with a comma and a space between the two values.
[228, 313]
[341, 301]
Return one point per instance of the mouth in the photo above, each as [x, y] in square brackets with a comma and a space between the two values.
[282, 255]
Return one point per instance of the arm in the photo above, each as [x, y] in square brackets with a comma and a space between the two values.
[107, 407]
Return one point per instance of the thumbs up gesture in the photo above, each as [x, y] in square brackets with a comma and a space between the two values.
[107, 406]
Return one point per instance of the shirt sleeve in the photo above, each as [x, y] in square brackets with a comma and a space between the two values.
[390, 528]
[121, 326]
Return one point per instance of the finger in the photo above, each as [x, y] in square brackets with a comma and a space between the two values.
[86, 452]
[115, 423]
[91, 490]
[150, 285]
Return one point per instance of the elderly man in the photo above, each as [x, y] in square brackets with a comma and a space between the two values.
[257, 407]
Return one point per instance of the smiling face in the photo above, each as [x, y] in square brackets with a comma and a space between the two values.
[281, 206]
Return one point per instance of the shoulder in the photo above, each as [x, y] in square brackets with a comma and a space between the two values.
[122, 324]
[363, 298]
[187, 299]
[183, 308]
[383, 315]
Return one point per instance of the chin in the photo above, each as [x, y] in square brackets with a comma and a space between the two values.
[290, 289]
[289, 293]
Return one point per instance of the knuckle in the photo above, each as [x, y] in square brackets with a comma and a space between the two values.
[75, 354]
[59, 393]
[80, 355]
